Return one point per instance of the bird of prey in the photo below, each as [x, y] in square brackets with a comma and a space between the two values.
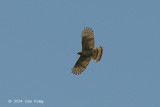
[88, 51]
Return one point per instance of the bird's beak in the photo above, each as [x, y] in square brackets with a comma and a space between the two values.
[79, 53]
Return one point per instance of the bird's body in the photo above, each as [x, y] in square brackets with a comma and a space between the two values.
[87, 52]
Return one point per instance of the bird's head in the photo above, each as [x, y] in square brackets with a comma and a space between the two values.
[79, 53]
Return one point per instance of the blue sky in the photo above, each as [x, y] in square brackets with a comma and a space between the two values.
[39, 40]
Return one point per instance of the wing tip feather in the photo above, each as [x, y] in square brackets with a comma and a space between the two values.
[87, 30]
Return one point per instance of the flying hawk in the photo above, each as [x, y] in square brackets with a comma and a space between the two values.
[88, 52]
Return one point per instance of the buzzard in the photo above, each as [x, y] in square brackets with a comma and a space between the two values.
[88, 52]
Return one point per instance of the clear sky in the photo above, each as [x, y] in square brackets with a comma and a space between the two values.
[39, 40]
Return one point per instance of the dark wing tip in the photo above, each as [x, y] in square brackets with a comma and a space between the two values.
[88, 30]
[76, 71]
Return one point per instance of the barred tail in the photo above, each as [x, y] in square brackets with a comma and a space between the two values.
[97, 53]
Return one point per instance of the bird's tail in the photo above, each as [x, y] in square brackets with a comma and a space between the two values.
[97, 53]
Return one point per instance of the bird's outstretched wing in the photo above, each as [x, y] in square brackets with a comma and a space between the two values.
[81, 65]
[87, 39]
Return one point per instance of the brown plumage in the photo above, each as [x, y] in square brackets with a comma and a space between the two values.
[87, 51]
